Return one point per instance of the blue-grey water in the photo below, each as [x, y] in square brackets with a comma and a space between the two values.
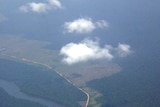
[13, 90]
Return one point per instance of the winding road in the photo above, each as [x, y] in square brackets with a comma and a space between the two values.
[63, 76]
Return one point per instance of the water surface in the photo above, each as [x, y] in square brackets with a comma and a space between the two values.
[13, 90]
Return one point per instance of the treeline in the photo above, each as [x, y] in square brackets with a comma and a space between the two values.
[41, 82]
[9, 101]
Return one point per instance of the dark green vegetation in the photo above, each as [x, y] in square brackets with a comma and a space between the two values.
[138, 85]
[41, 82]
[9, 101]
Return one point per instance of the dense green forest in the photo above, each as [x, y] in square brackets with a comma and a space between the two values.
[9, 101]
[41, 82]
[138, 85]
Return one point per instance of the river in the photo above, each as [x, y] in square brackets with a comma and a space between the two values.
[13, 90]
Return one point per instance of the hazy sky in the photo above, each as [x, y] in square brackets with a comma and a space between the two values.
[84, 30]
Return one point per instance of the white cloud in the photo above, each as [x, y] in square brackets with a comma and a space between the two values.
[2, 18]
[41, 7]
[80, 25]
[56, 3]
[102, 24]
[123, 50]
[89, 49]
[84, 25]
[84, 51]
